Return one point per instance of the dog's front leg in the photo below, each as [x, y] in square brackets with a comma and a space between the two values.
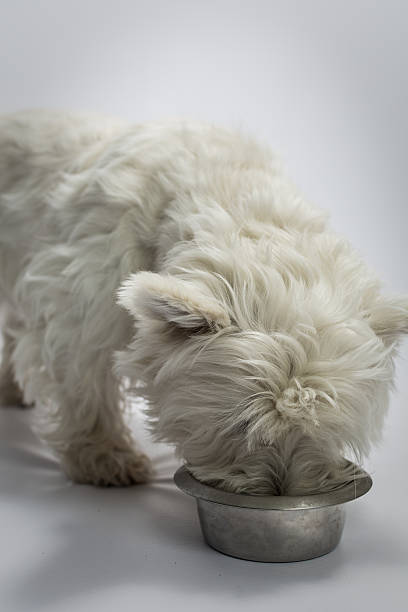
[87, 430]
[105, 460]
[95, 446]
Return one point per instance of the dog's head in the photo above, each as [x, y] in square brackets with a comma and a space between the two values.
[263, 381]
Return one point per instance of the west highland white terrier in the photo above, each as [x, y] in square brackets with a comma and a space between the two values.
[174, 260]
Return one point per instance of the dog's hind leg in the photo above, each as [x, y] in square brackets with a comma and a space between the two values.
[10, 392]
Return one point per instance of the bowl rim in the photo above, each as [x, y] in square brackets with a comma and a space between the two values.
[345, 493]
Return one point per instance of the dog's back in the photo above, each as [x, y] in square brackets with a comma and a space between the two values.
[35, 147]
[39, 139]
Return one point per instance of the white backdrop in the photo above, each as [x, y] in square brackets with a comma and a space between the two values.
[325, 83]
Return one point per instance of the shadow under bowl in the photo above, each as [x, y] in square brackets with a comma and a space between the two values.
[272, 528]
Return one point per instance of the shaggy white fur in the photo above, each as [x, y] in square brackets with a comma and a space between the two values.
[258, 337]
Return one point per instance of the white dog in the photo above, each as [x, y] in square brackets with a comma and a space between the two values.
[176, 261]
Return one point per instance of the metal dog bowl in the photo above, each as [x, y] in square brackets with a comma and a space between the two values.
[272, 528]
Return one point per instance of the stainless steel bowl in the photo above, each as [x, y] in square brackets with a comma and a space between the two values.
[272, 528]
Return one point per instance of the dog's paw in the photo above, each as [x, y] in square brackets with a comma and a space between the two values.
[107, 467]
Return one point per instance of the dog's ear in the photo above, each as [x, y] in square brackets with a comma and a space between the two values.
[166, 298]
[388, 317]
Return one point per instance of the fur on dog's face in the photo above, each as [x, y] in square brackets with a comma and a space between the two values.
[262, 385]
